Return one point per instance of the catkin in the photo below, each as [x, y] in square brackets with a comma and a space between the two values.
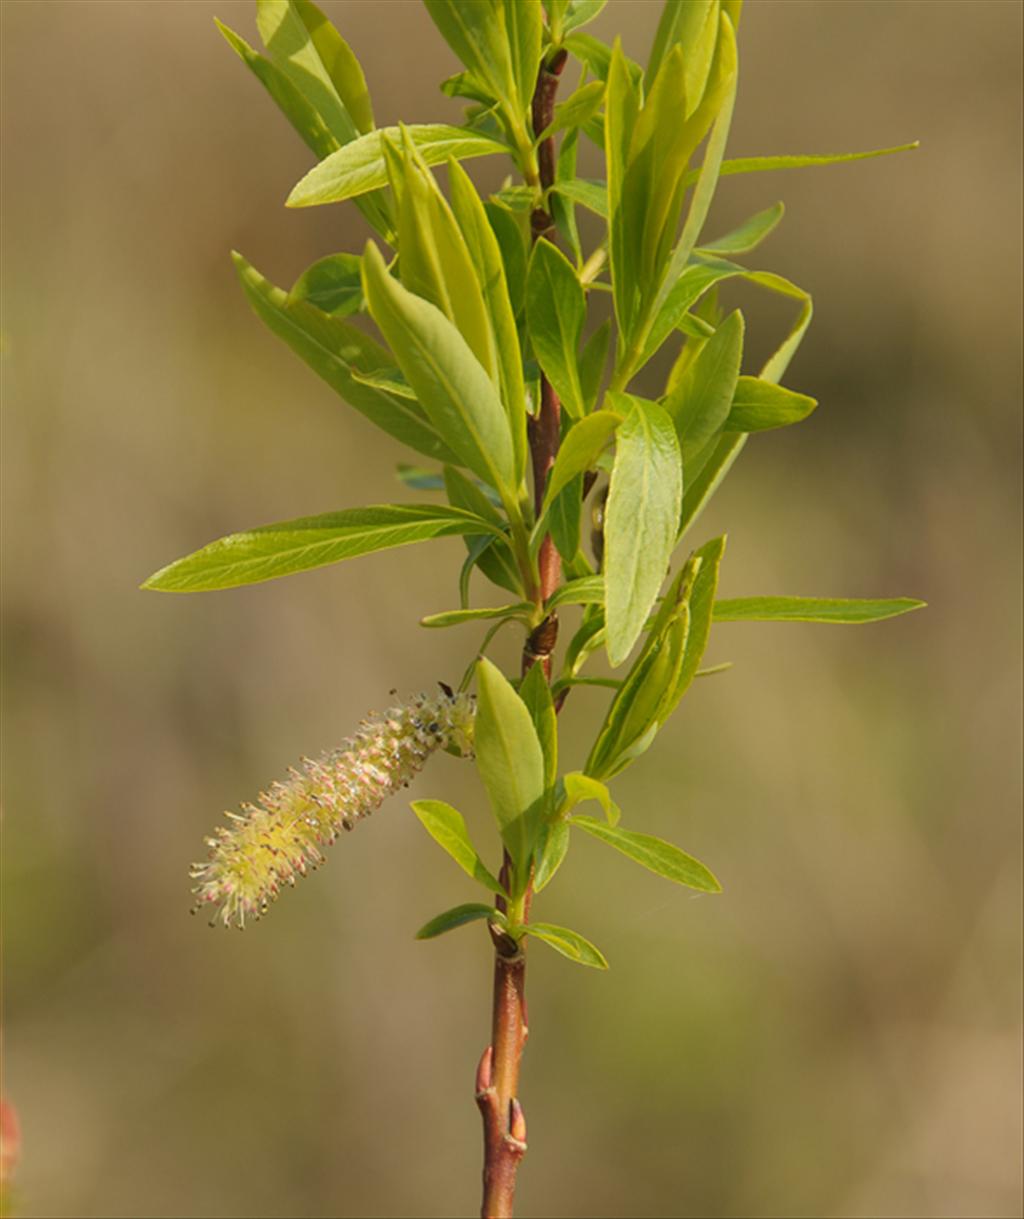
[281, 837]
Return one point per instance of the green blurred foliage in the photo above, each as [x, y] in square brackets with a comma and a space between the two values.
[839, 1032]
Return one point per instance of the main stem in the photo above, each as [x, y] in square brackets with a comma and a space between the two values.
[497, 1080]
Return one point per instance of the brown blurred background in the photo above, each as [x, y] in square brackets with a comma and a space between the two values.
[839, 1033]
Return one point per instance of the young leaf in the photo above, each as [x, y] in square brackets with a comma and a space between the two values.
[812, 609]
[693, 25]
[642, 520]
[341, 65]
[521, 609]
[654, 854]
[701, 602]
[551, 854]
[512, 243]
[749, 235]
[581, 447]
[589, 590]
[456, 393]
[458, 916]
[492, 555]
[569, 943]
[447, 827]
[511, 763]
[591, 195]
[581, 12]
[486, 255]
[759, 405]
[308, 542]
[752, 165]
[564, 519]
[701, 401]
[592, 361]
[598, 58]
[580, 787]
[536, 694]
[622, 105]
[556, 308]
[359, 167]
[333, 285]
[341, 355]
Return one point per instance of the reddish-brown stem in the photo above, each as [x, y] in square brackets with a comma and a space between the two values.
[497, 1082]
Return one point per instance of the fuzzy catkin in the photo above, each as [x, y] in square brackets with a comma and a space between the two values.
[279, 838]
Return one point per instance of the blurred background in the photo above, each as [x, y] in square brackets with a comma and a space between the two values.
[839, 1032]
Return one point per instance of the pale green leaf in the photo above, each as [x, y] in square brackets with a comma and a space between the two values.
[569, 943]
[340, 63]
[307, 542]
[588, 590]
[751, 165]
[580, 787]
[579, 450]
[333, 284]
[642, 520]
[359, 167]
[654, 854]
[707, 482]
[341, 355]
[556, 309]
[747, 236]
[551, 853]
[812, 609]
[591, 195]
[511, 763]
[759, 405]
[459, 916]
[520, 609]
[536, 694]
[701, 401]
[581, 12]
[576, 109]
[447, 827]
[451, 386]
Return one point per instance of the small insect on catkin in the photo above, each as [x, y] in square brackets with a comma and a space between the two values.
[279, 838]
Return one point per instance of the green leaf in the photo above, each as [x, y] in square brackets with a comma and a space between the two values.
[701, 401]
[589, 590]
[512, 243]
[452, 387]
[622, 106]
[459, 916]
[436, 263]
[752, 165]
[521, 609]
[759, 405]
[812, 609]
[641, 522]
[569, 943]
[492, 555]
[333, 284]
[487, 258]
[556, 308]
[340, 63]
[591, 195]
[308, 542]
[419, 479]
[654, 854]
[447, 827]
[580, 787]
[576, 109]
[707, 482]
[579, 450]
[749, 235]
[565, 517]
[511, 763]
[302, 115]
[693, 25]
[581, 12]
[340, 354]
[598, 58]
[536, 694]
[701, 603]
[563, 210]
[359, 167]
[592, 361]
[551, 854]
[524, 22]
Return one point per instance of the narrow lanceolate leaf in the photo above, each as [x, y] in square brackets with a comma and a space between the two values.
[576, 108]
[556, 309]
[753, 165]
[490, 268]
[702, 599]
[591, 195]
[511, 763]
[454, 390]
[580, 12]
[641, 521]
[341, 355]
[812, 609]
[447, 827]
[749, 235]
[536, 694]
[302, 115]
[520, 609]
[458, 916]
[551, 853]
[759, 405]
[333, 284]
[693, 25]
[588, 590]
[359, 167]
[308, 542]
[341, 65]
[583, 444]
[654, 854]
[569, 943]
[580, 787]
